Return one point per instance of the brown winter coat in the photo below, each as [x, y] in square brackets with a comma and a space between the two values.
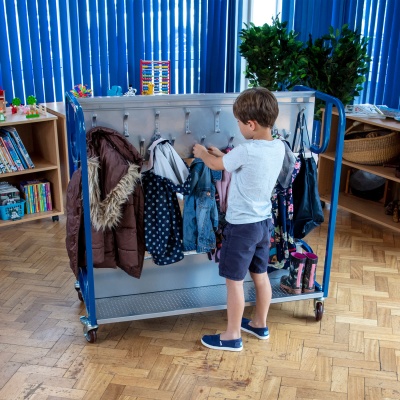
[116, 205]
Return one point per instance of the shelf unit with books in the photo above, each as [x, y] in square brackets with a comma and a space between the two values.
[371, 210]
[40, 138]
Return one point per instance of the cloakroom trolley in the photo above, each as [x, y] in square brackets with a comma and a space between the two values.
[192, 284]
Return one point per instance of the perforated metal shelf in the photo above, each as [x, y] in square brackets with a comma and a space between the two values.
[181, 301]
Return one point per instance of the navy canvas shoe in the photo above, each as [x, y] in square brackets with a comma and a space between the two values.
[215, 342]
[261, 333]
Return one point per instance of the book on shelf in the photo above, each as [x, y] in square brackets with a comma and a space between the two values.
[390, 112]
[364, 111]
[37, 195]
[3, 163]
[5, 135]
[9, 161]
[22, 149]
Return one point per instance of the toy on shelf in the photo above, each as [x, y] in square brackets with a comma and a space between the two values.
[16, 102]
[149, 90]
[131, 91]
[155, 77]
[114, 91]
[3, 100]
[2, 116]
[31, 110]
[81, 91]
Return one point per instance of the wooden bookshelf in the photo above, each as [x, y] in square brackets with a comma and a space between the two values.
[40, 137]
[370, 210]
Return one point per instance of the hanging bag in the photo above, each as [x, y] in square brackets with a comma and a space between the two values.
[307, 209]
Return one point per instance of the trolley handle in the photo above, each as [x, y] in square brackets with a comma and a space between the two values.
[75, 130]
[329, 102]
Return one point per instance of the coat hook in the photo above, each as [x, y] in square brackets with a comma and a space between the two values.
[157, 125]
[94, 122]
[285, 133]
[172, 140]
[301, 110]
[231, 141]
[141, 147]
[216, 120]
[187, 114]
[126, 115]
[203, 138]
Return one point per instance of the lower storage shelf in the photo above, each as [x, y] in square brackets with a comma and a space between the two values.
[370, 210]
[32, 217]
[183, 301]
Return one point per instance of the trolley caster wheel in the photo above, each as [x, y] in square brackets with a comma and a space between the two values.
[319, 310]
[78, 290]
[55, 218]
[91, 336]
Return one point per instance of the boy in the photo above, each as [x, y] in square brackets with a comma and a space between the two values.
[255, 166]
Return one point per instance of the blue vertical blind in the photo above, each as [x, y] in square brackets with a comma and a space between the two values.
[375, 19]
[48, 46]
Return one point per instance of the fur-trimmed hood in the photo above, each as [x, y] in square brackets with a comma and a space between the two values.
[116, 205]
[108, 212]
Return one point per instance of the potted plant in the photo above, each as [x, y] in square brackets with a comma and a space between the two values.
[337, 63]
[274, 57]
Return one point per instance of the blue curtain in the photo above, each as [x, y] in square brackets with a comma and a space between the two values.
[52, 45]
[375, 19]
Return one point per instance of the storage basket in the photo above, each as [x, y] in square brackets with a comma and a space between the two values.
[372, 151]
[6, 211]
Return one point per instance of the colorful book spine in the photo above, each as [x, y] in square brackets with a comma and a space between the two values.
[36, 197]
[48, 196]
[25, 194]
[43, 196]
[35, 201]
[31, 199]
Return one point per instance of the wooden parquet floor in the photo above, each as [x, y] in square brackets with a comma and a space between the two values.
[353, 353]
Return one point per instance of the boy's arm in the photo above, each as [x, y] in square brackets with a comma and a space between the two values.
[212, 161]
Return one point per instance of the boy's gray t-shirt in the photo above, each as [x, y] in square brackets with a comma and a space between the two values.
[255, 166]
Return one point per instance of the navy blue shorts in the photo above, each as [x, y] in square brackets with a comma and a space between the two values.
[245, 247]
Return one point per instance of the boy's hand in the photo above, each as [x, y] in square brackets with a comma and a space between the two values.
[213, 162]
[199, 151]
[215, 151]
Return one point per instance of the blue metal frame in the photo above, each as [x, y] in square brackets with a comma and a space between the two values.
[77, 156]
[76, 128]
[316, 148]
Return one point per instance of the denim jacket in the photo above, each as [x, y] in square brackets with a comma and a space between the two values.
[200, 213]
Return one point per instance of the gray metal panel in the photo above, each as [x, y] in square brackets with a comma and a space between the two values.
[193, 271]
[140, 116]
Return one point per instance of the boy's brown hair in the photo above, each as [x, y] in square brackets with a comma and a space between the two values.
[256, 104]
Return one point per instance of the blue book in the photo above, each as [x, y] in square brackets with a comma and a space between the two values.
[11, 150]
[18, 151]
[21, 146]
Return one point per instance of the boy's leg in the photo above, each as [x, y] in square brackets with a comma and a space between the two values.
[235, 308]
[263, 289]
